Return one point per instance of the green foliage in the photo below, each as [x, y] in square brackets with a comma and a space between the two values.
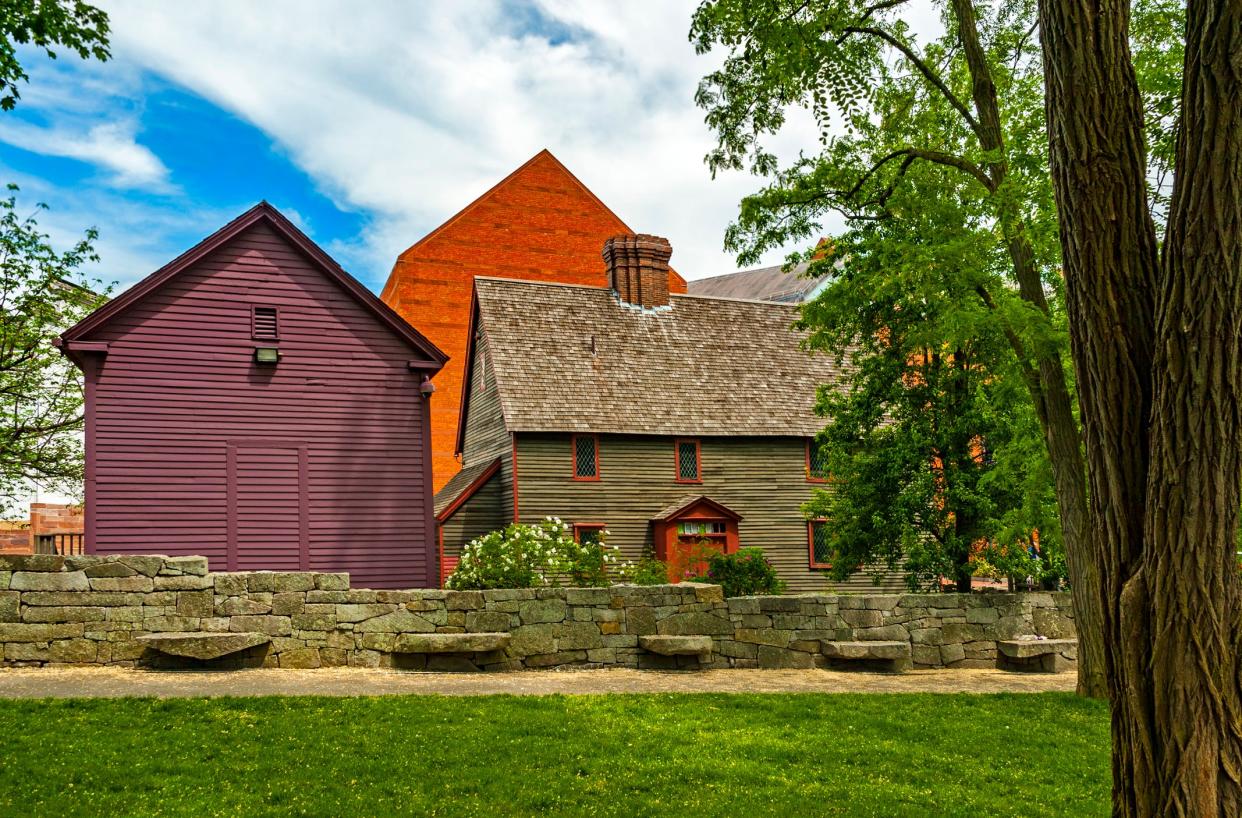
[745, 572]
[647, 571]
[950, 251]
[529, 555]
[42, 293]
[73, 24]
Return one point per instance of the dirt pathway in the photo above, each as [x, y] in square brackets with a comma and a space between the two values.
[109, 682]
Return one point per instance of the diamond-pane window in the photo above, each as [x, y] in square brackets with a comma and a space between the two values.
[586, 457]
[816, 462]
[688, 460]
[821, 548]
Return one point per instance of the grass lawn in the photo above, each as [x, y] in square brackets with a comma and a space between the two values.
[701, 754]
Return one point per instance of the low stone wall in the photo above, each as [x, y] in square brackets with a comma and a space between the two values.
[90, 610]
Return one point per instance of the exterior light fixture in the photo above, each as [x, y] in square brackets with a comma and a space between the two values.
[426, 388]
[266, 356]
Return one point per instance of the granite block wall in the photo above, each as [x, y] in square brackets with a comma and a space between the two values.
[91, 610]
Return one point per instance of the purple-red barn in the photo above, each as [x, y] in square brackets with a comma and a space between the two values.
[253, 403]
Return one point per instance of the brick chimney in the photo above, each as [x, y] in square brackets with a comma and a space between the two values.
[638, 268]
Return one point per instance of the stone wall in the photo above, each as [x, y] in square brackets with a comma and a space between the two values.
[90, 610]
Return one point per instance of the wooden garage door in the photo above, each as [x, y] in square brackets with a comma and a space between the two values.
[269, 524]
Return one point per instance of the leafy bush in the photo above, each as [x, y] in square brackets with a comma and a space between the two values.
[1022, 563]
[529, 555]
[744, 573]
[648, 571]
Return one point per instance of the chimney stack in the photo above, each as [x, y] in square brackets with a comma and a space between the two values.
[638, 268]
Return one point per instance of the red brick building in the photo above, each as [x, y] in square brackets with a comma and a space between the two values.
[539, 223]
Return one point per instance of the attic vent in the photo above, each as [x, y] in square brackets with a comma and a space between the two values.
[263, 320]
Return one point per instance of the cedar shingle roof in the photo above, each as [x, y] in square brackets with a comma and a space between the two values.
[765, 284]
[576, 359]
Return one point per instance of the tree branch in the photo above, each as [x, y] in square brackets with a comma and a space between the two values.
[923, 68]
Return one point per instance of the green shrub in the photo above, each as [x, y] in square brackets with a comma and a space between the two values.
[648, 571]
[530, 555]
[744, 573]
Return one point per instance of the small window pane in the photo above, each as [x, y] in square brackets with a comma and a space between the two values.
[589, 535]
[688, 460]
[585, 457]
[821, 553]
[819, 462]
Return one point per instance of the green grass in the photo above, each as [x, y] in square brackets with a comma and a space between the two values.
[702, 754]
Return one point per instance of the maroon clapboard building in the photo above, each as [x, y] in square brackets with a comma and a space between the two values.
[253, 403]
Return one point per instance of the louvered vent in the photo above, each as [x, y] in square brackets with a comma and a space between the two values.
[265, 323]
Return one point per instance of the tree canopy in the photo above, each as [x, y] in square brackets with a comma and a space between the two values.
[954, 125]
[46, 24]
[42, 292]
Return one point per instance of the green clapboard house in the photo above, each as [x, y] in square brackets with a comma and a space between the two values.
[670, 420]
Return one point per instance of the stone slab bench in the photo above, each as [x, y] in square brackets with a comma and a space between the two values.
[1037, 655]
[203, 645]
[891, 656]
[676, 645]
[451, 642]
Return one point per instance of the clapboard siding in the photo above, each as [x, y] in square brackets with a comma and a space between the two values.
[761, 478]
[319, 462]
[483, 512]
[485, 437]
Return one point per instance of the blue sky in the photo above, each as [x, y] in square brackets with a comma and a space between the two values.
[368, 125]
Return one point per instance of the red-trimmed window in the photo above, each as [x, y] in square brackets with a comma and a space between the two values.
[264, 323]
[818, 545]
[816, 463]
[585, 450]
[589, 532]
[688, 461]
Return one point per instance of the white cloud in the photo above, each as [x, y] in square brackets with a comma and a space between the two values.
[408, 111]
[109, 145]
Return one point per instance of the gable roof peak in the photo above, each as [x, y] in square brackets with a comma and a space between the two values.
[261, 213]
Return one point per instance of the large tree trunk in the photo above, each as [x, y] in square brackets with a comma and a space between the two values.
[1156, 348]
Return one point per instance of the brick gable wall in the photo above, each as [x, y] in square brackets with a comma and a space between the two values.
[539, 224]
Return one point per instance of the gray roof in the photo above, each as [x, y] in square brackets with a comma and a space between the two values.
[459, 483]
[576, 359]
[764, 284]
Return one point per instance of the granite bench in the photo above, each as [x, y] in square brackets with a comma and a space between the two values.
[879, 655]
[451, 642]
[203, 645]
[1037, 655]
[677, 645]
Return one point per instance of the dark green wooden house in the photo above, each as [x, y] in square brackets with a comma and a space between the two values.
[668, 420]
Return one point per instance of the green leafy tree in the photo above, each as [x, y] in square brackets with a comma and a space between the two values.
[42, 292]
[955, 124]
[46, 24]
[910, 446]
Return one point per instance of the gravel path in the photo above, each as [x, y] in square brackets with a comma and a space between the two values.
[111, 682]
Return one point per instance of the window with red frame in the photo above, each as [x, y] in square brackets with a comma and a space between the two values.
[586, 457]
[688, 461]
[816, 463]
[589, 533]
[818, 544]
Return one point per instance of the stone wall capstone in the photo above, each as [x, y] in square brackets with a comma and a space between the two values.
[88, 610]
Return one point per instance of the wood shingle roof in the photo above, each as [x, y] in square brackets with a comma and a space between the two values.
[577, 359]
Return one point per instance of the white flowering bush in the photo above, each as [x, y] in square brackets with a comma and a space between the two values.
[529, 555]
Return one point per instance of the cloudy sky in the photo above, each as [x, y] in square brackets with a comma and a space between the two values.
[367, 123]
